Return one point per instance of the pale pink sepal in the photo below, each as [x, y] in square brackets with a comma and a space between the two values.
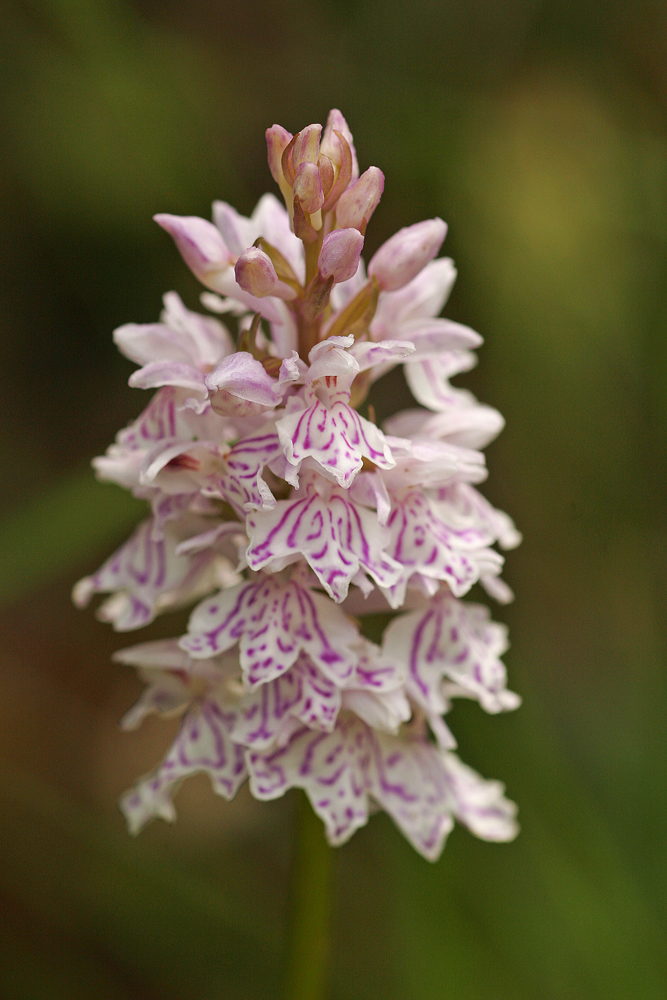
[277, 140]
[201, 246]
[330, 145]
[404, 255]
[240, 378]
[307, 187]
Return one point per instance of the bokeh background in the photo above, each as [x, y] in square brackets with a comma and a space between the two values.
[538, 130]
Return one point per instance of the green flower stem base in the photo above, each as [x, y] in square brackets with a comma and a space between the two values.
[309, 934]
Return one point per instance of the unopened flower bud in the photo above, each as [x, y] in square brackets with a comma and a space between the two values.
[331, 145]
[307, 187]
[339, 256]
[357, 204]
[200, 244]
[256, 275]
[277, 139]
[306, 147]
[404, 255]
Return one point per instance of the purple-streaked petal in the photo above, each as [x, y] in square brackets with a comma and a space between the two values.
[409, 782]
[478, 804]
[330, 767]
[303, 694]
[241, 482]
[203, 744]
[466, 505]
[145, 576]
[273, 621]
[337, 439]
[450, 640]
[422, 542]
[335, 536]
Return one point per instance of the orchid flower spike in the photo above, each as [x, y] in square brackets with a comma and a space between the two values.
[285, 516]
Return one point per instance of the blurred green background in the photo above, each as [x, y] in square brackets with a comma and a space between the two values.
[538, 130]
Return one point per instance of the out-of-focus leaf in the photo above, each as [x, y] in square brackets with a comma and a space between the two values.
[74, 519]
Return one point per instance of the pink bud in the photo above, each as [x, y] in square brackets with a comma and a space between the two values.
[277, 139]
[357, 204]
[306, 147]
[339, 256]
[330, 144]
[256, 275]
[404, 255]
[200, 244]
[307, 187]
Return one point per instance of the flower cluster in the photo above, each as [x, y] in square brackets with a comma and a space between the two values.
[290, 516]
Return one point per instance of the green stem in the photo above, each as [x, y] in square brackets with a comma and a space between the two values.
[309, 935]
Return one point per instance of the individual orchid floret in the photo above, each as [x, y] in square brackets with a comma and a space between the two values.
[273, 620]
[201, 246]
[451, 649]
[341, 541]
[358, 202]
[421, 788]
[406, 253]
[181, 335]
[256, 274]
[148, 576]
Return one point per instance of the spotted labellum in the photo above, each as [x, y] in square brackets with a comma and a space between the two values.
[281, 507]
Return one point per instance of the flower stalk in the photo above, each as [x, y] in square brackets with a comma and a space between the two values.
[309, 929]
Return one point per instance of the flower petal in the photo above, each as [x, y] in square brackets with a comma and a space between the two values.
[450, 640]
[335, 536]
[337, 439]
[202, 744]
[273, 621]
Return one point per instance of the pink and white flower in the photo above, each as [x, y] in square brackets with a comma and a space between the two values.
[283, 511]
